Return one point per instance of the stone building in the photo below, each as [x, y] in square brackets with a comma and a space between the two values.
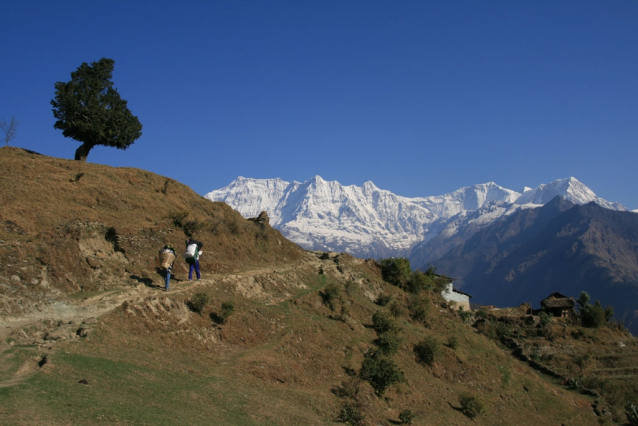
[459, 298]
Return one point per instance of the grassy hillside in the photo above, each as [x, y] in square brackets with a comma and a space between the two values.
[88, 337]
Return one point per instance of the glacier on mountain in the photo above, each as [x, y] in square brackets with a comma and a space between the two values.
[370, 222]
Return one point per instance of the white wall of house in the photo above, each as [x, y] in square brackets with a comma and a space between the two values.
[453, 296]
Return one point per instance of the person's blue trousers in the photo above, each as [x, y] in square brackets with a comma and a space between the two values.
[168, 279]
[194, 266]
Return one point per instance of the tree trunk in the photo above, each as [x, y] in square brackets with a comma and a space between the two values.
[83, 151]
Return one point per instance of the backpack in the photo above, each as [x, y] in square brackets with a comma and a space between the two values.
[191, 252]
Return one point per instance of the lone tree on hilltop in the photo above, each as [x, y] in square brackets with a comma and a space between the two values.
[9, 128]
[89, 109]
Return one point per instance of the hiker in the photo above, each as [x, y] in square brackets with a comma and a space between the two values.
[167, 257]
[193, 251]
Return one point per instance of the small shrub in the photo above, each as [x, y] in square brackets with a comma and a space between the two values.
[383, 322]
[418, 282]
[472, 406]
[388, 343]
[427, 350]
[351, 413]
[481, 314]
[406, 416]
[380, 371]
[344, 314]
[396, 270]
[199, 302]
[227, 310]
[466, 316]
[631, 411]
[545, 320]
[190, 227]
[592, 316]
[77, 177]
[419, 308]
[573, 384]
[453, 342]
[350, 287]
[165, 188]
[348, 389]
[331, 293]
[178, 218]
[383, 299]
[396, 309]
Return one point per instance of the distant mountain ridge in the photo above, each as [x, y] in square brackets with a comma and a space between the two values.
[560, 246]
[367, 221]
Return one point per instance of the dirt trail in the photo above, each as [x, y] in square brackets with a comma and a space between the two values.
[71, 315]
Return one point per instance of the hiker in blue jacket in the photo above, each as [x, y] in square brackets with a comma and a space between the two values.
[194, 261]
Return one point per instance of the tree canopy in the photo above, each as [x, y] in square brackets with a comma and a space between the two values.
[90, 110]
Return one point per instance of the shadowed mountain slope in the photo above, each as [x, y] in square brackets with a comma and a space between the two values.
[558, 247]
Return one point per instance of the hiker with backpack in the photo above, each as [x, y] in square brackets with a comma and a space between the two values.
[193, 251]
[167, 257]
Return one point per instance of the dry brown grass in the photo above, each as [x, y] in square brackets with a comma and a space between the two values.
[276, 360]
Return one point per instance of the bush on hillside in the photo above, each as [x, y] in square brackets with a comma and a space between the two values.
[198, 302]
[631, 411]
[349, 388]
[178, 218]
[396, 270]
[383, 299]
[453, 342]
[227, 310]
[592, 316]
[384, 322]
[380, 371]
[352, 413]
[427, 351]
[388, 343]
[406, 416]
[418, 281]
[472, 406]
[331, 293]
[396, 309]
[190, 227]
[419, 308]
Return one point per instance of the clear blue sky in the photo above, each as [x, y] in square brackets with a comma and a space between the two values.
[420, 97]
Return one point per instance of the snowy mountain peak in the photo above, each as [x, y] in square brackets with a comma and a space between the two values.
[571, 189]
[370, 222]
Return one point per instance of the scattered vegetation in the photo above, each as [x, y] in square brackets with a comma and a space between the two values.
[351, 413]
[178, 218]
[471, 405]
[593, 316]
[419, 307]
[384, 322]
[227, 310]
[331, 293]
[397, 309]
[631, 411]
[77, 177]
[380, 371]
[396, 270]
[388, 343]
[383, 299]
[199, 302]
[427, 350]
[406, 416]
[453, 343]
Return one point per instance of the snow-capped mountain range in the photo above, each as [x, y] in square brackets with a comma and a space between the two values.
[370, 222]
